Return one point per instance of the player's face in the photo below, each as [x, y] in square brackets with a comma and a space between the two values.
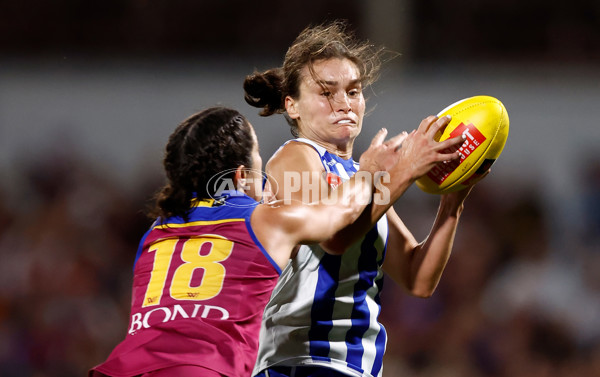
[254, 177]
[329, 109]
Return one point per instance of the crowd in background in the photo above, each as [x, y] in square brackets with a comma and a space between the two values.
[521, 293]
[518, 298]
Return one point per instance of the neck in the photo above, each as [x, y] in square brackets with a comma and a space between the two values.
[343, 149]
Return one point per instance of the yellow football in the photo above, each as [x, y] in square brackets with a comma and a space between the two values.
[484, 121]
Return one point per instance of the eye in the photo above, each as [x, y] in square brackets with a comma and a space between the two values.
[354, 93]
[326, 93]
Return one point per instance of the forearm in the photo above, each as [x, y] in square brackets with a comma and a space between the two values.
[305, 223]
[387, 189]
[349, 201]
[428, 260]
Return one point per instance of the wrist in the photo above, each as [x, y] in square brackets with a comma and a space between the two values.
[451, 205]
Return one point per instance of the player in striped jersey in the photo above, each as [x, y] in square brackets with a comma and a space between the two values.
[206, 268]
[322, 317]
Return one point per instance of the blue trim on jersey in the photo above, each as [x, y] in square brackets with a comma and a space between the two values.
[360, 312]
[379, 346]
[141, 245]
[381, 339]
[350, 165]
[257, 242]
[329, 160]
[231, 204]
[241, 204]
[322, 309]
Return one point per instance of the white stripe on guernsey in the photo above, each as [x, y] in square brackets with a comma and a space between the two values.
[372, 333]
[342, 172]
[296, 287]
[344, 304]
[370, 353]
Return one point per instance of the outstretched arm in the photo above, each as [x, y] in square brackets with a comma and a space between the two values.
[418, 266]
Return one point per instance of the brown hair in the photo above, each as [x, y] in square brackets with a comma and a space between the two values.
[268, 89]
[203, 146]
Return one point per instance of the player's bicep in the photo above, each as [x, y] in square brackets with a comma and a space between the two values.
[316, 222]
[279, 227]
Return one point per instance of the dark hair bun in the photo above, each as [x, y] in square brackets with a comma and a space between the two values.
[264, 90]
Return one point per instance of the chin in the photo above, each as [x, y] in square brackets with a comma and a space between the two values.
[347, 132]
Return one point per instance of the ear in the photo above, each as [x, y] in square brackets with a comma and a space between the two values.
[239, 178]
[291, 107]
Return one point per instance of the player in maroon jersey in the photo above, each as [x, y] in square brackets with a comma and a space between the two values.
[206, 268]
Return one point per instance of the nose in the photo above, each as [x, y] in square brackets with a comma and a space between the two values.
[342, 103]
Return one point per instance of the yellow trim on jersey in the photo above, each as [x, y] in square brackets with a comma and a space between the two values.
[195, 223]
[202, 202]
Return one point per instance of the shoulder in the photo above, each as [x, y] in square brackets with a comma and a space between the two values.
[295, 155]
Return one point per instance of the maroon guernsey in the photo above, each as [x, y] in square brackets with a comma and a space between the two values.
[199, 290]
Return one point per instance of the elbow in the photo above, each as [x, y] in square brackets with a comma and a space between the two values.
[352, 214]
[333, 247]
[422, 291]
[340, 241]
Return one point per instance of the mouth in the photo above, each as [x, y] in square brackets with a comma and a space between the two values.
[345, 122]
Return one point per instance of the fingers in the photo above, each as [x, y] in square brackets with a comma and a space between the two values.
[426, 123]
[396, 141]
[432, 124]
[452, 144]
[447, 157]
[379, 137]
[438, 126]
[449, 150]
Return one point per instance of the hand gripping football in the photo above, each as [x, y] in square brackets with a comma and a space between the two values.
[484, 121]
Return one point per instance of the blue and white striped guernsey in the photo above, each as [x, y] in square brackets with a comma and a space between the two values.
[324, 309]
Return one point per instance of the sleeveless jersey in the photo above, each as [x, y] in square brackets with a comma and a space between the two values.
[324, 309]
[199, 290]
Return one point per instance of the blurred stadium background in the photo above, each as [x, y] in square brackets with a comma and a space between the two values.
[89, 92]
